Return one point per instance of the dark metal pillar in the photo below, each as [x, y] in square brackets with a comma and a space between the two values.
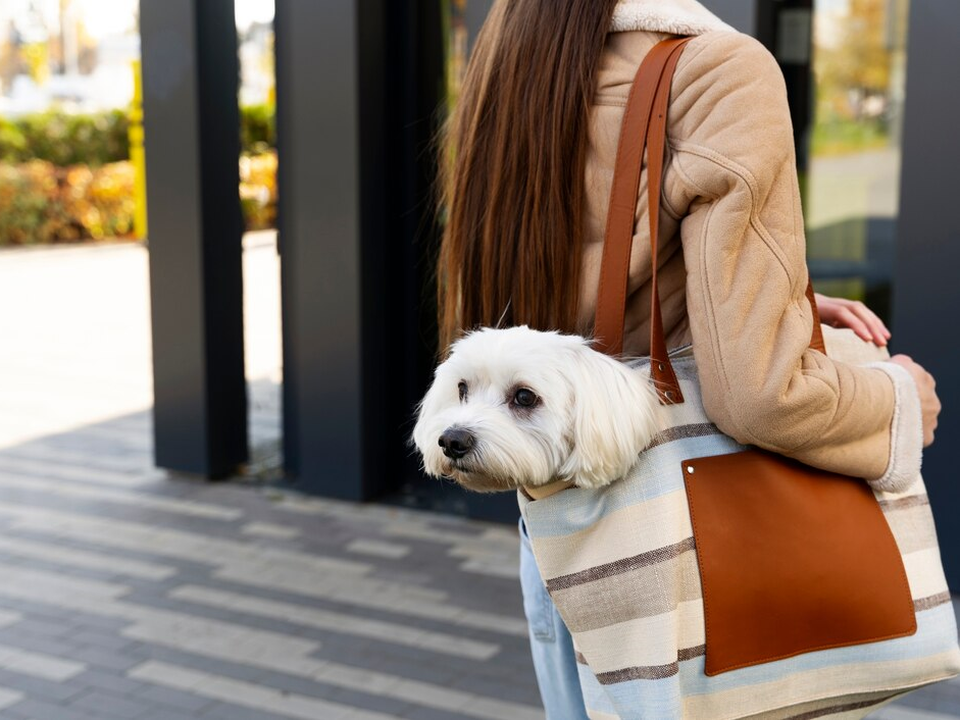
[926, 293]
[190, 79]
[357, 111]
[330, 115]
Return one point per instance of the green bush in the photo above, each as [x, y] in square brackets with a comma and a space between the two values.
[258, 130]
[65, 140]
[839, 136]
[68, 177]
[102, 138]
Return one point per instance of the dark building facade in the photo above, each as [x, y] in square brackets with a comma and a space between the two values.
[361, 86]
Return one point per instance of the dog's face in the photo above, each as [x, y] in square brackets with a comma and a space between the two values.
[519, 407]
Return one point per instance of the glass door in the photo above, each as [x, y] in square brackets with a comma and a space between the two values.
[845, 63]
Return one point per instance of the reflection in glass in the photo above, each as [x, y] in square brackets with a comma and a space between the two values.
[851, 184]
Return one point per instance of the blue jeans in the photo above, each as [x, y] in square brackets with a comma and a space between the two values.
[550, 643]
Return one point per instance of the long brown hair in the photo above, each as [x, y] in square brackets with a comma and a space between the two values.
[512, 170]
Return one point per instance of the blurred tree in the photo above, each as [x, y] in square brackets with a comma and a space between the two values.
[9, 57]
[857, 68]
[88, 50]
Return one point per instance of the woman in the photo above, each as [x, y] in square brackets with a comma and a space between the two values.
[531, 151]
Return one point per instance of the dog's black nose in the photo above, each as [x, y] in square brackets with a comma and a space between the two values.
[456, 442]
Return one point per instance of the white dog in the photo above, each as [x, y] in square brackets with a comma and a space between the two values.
[519, 407]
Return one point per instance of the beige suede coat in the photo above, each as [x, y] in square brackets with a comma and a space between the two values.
[733, 271]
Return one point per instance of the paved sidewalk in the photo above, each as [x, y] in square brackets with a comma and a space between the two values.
[128, 594]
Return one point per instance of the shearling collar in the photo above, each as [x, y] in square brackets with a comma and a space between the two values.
[677, 17]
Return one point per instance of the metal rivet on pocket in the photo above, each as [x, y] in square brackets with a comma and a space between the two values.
[690, 469]
[669, 394]
[660, 367]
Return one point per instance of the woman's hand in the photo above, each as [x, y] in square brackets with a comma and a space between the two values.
[926, 386]
[853, 314]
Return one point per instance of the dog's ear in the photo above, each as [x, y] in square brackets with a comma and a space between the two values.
[616, 414]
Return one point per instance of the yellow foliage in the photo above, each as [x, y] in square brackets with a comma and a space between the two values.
[43, 203]
[258, 189]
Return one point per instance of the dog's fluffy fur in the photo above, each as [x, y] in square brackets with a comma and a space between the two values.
[592, 416]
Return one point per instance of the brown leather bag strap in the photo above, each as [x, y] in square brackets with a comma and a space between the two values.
[644, 126]
[816, 341]
[664, 379]
[618, 238]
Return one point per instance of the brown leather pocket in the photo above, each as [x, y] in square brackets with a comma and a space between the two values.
[792, 559]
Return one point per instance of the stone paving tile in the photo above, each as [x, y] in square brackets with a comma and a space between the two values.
[319, 624]
[104, 659]
[422, 713]
[41, 644]
[164, 697]
[269, 530]
[97, 638]
[51, 552]
[232, 670]
[38, 665]
[504, 688]
[184, 568]
[377, 548]
[96, 679]
[107, 705]
[228, 711]
[249, 695]
[38, 687]
[165, 714]
[50, 613]
[33, 709]
[343, 696]
[368, 657]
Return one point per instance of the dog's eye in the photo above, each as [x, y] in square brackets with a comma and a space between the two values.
[462, 387]
[525, 398]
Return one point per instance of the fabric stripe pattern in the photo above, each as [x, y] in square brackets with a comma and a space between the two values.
[621, 566]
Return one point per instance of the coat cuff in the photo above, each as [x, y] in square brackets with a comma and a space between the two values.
[906, 432]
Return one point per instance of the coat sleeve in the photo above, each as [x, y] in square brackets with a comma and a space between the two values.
[734, 176]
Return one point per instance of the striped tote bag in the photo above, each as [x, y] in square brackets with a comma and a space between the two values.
[622, 568]
[716, 581]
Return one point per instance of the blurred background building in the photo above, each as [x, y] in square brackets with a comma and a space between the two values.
[350, 102]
